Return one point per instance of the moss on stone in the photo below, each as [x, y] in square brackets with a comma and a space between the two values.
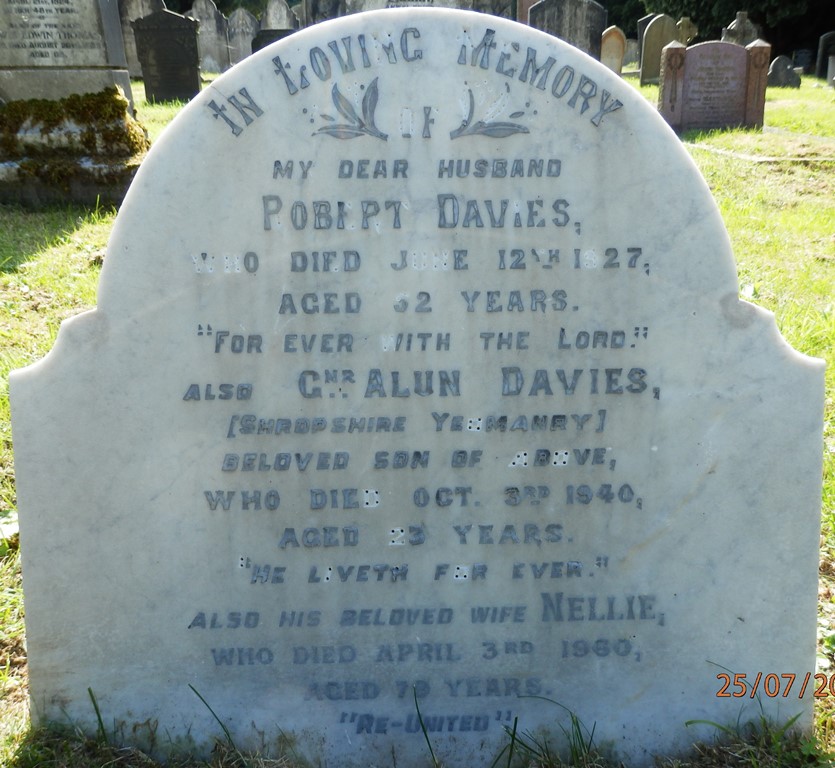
[78, 147]
[107, 129]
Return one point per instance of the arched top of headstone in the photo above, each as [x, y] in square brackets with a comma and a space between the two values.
[295, 95]
[781, 74]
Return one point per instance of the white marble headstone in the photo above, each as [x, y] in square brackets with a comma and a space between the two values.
[418, 368]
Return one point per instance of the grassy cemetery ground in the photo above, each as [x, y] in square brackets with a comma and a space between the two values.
[776, 192]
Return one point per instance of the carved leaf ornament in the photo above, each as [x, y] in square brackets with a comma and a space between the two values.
[365, 125]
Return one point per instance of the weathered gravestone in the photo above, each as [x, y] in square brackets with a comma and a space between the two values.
[51, 50]
[613, 49]
[826, 48]
[402, 395]
[781, 74]
[642, 25]
[131, 10]
[579, 22]
[212, 41]
[166, 44]
[713, 85]
[741, 30]
[687, 30]
[243, 27]
[660, 31]
[278, 15]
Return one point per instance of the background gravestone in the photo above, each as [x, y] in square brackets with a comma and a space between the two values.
[277, 22]
[278, 16]
[687, 30]
[781, 74]
[631, 57]
[49, 51]
[660, 31]
[804, 58]
[212, 41]
[243, 27]
[579, 22]
[713, 85]
[403, 395]
[131, 10]
[643, 23]
[826, 48]
[741, 30]
[166, 44]
[523, 8]
[613, 49]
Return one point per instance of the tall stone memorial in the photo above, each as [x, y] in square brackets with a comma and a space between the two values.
[428, 395]
[50, 50]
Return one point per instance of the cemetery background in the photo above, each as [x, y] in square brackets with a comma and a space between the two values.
[780, 215]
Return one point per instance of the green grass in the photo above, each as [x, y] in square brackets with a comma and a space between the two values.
[777, 199]
[816, 116]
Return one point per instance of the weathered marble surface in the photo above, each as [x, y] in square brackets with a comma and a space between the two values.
[429, 374]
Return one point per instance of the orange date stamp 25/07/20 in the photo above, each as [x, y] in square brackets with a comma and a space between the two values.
[772, 685]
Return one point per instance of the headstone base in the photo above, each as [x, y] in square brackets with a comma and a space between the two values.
[44, 184]
[82, 149]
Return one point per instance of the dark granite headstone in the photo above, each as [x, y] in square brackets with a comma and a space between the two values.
[804, 59]
[131, 10]
[266, 36]
[166, 43]
[579, 22]
[826, 48]
[781, 74]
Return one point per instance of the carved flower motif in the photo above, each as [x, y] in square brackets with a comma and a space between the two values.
[355, 125]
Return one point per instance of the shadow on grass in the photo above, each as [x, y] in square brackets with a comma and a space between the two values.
[25, 233]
